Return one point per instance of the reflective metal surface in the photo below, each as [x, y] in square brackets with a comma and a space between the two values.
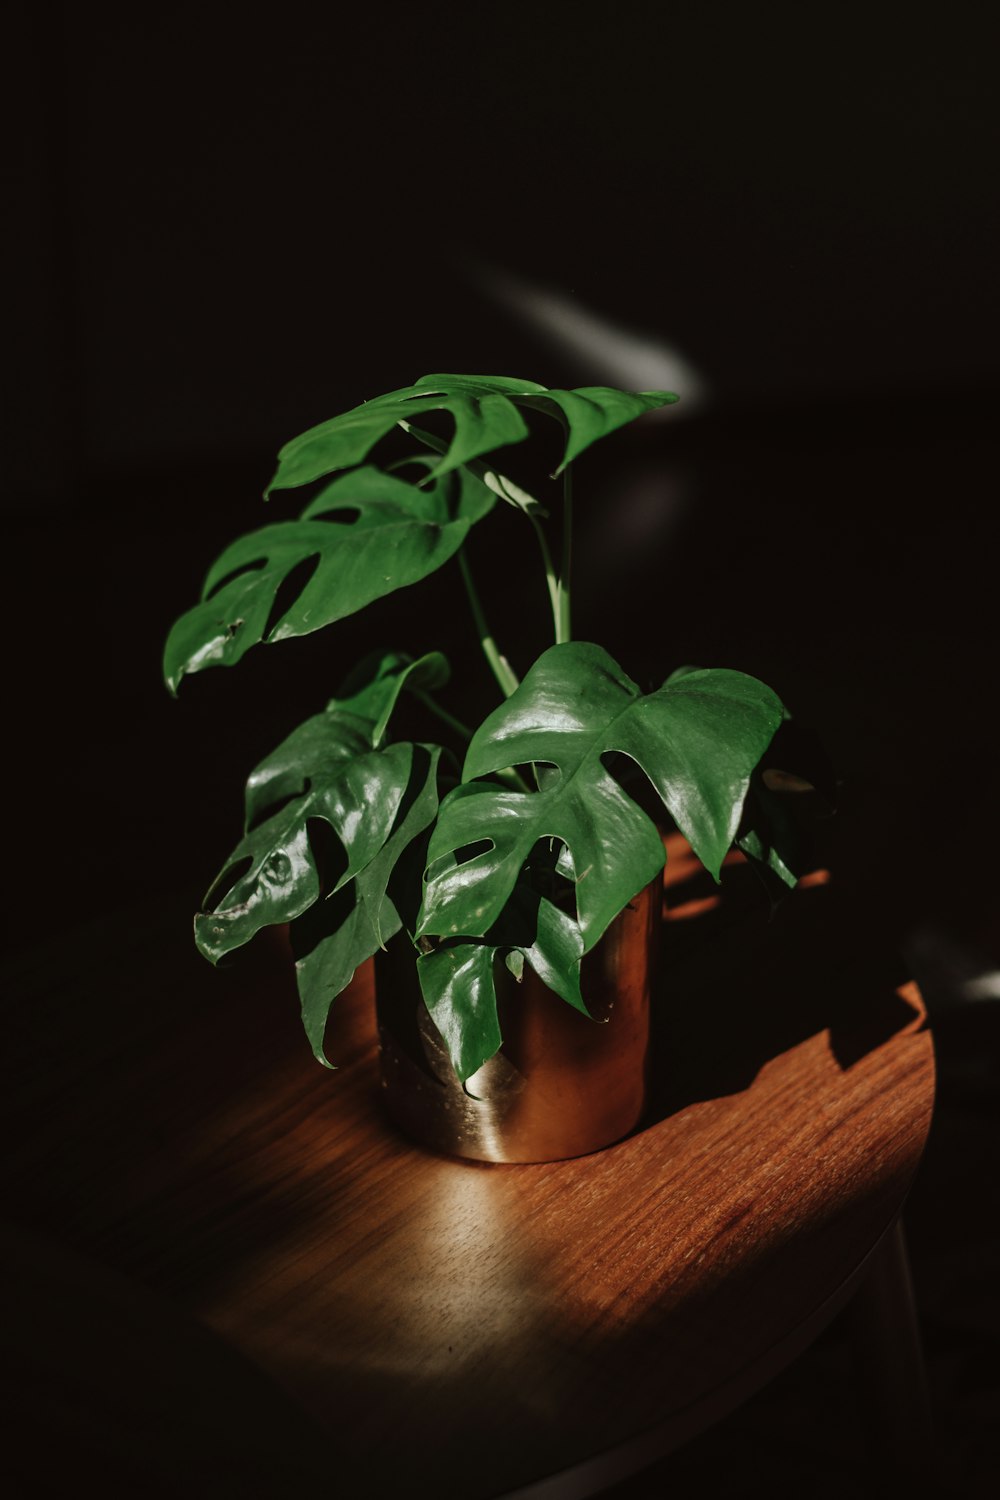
[561, 1086]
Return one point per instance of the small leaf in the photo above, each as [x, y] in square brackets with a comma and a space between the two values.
[515, 964]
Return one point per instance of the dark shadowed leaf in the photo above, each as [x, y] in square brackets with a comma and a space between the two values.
[769, 835]
[353, 722]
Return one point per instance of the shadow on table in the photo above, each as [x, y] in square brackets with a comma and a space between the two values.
[742, 981]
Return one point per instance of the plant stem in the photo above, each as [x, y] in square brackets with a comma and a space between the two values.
[462, 730]
[527, 504]
[508, 775]
[550, 575]
[501, 667]
[563, 623]
[513, 779]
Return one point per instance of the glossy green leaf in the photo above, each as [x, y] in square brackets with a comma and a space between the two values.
[338, 933]
[373, 688]
[593, 411]
[356, 790]
[460, 994]
[353, 722]
[486, 414]
[697, 739]
[399, 533]
[332, 769]
[534, 925]
[458, 982]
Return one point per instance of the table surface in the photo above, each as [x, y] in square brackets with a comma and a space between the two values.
[384, 1317]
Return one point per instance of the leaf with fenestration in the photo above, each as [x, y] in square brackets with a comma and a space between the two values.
[458, 984]
[357, 791]
[365, 535]
[373, 688]
[485, 412]
[353, 722]
[338, 933]
[332, 769]
[697, 739]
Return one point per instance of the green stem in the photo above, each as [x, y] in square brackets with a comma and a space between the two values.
[513, 779]
[563, 622]
[550, 576]
[499, 483]
[528, 505]
[462, 730]
[509, 776]
[501, 667]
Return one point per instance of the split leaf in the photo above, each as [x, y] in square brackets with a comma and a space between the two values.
[486, 412]
[458, 982]
[353, 722]
[333, 770]
[336, 935]
[697, 739]
[395, 534]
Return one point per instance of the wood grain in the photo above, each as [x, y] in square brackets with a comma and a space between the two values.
[466, 1329]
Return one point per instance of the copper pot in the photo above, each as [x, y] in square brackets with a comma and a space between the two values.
[562, 1085]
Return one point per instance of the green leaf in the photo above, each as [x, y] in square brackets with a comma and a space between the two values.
[536, 928]
[485, 413]
[697, 739]
[339, 933]
[356, 790]
[331, 769]
[458, 984]
[769, 835]
[593, 411]
[556, 952]
[353, 722]
[399, 534]
[372, 690]
[459, 991]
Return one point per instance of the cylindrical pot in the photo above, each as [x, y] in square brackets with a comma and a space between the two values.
[562, 1085]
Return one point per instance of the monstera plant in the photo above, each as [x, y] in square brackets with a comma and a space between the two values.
[518, 841]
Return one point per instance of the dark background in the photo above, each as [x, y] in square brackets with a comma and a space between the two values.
[224, 226]
[223, 232]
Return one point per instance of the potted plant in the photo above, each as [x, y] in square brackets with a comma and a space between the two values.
[514, 853]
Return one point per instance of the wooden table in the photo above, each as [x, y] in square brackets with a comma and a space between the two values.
[385, 1321]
